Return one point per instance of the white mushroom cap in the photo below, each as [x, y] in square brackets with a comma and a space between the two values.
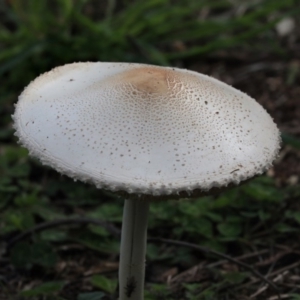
[144, 129]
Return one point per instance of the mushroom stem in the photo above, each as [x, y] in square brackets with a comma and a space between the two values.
[133, 249]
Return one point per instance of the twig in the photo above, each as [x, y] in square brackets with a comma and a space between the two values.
[47, 225]
[289, 267]
[283, 296]
[262, 289]
[273, 258]
[216, 253]
[241, 257]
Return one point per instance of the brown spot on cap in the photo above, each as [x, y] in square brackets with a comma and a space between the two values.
[148, 79]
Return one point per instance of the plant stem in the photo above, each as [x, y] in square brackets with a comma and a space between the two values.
[133, 249]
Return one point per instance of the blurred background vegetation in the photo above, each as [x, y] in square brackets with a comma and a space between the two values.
[253, 45]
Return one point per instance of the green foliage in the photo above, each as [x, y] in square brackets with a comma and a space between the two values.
[97, 242]
[25, 255]
[121, 35]
[291, 140]
[91, 296]
[235, 277]
[109, 211]
[157, 291]
[45, 289]
[104, 283]
[197, 291]
[229, 217]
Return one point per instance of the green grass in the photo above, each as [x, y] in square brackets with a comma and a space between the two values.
[35, 37]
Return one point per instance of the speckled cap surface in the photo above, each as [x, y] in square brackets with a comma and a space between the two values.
[144, 129]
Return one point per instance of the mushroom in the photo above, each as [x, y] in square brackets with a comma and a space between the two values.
[146, 132]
